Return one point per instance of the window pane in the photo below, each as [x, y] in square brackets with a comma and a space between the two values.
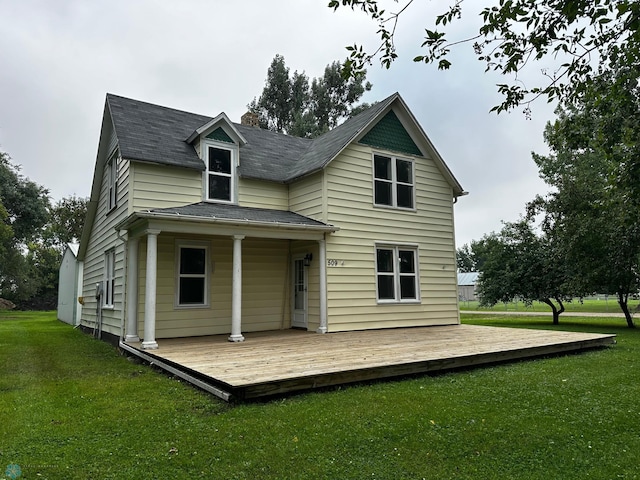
[386, 290]
[219, 187]
[382, 167]
[383, 193]
[407, 264]
[405, 196]
[407, 287]
[191, 291]
[385, 260]
[403, 171]
[192, 261]
[219, 160]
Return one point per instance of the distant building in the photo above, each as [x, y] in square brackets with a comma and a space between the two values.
[70, 287]
[467, 286]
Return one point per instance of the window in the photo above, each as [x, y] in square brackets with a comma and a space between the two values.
[192, 278]
[220, 181]
[397, 273]
[393, 182]
[112, 182]
[109, 278]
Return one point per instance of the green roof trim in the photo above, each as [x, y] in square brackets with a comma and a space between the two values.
[389, 134]
[220, 135]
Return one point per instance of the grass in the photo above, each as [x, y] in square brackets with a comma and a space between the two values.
[71, 407]
[592, 305]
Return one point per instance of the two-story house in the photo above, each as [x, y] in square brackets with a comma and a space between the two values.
[202, 226]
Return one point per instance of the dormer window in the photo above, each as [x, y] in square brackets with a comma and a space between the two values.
[220, 174]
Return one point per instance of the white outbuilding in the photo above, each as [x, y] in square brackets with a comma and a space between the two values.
[70, 286]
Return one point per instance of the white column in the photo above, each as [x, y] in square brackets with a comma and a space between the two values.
[149, 340]
[323, 286]
[132, 291]
[236, 293]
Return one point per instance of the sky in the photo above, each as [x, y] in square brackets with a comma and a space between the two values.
[58, 60]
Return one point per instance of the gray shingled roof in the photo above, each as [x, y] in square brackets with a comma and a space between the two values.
[235, 212]
[156, 134]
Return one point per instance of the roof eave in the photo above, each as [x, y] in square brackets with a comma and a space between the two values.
[136, 216]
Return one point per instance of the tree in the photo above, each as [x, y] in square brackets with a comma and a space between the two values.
[584, 39]
[471, 257]
[66, 220]
[593, 168]
[24, 214]
[294, 105]
[521, 264]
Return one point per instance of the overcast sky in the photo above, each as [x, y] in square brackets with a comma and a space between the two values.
[58, 59]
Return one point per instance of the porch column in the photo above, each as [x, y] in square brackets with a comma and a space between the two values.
[322, 249]
[236, 292]
[132, 291]
[149, 341]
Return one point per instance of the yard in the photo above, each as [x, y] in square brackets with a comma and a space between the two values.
[71, 407]
[600, 304]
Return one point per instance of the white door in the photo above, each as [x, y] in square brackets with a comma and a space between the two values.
[299, 307]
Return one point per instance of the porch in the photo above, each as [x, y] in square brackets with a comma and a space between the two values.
[276, 362]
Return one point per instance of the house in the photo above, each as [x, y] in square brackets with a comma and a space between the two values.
[197, 225]
[70, 286]
[467, 286]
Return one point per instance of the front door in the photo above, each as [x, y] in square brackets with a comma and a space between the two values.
[299, 310]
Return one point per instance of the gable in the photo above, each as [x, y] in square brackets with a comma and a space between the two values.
[390, 134]
[220, 135]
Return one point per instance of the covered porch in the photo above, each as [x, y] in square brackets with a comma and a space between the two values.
[185, 269]
[276, 362]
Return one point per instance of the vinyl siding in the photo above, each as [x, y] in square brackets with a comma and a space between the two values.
[306, 197]
[261, 194]
[265, 287]
[351, 286]
[161, 186]
[103, 238]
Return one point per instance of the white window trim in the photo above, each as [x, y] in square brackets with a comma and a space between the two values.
[112, 181]
[109, 279]
[207, 273]
[396, 246]
[394, 182]
[233, 196]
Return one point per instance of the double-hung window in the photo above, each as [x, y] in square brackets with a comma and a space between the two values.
[112, 181]
[397, 274]
[192, 281]
[393, 182]
[109, 278]
[220, 174]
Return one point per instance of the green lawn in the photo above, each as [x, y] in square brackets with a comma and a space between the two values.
[601, 305]
[72, 408]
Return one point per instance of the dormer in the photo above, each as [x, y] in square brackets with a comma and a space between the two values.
[218, 142]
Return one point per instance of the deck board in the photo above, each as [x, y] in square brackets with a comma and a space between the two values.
[280, 361]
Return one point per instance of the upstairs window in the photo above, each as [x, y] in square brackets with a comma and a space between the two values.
[220, 175]
[393, 182]
[112, 182]
[397, 274]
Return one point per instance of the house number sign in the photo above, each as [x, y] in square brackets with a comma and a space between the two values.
[334, 263]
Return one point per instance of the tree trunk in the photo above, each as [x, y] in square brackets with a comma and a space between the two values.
[556, 315]
[622, 301]
[561, 306]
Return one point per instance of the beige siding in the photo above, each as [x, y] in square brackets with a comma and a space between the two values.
[265, 286]
[352, 284]
[160, 186]
[261, 194]
[306, 197]
[103, 238]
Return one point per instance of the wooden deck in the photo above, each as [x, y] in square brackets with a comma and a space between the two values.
[269, 363]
